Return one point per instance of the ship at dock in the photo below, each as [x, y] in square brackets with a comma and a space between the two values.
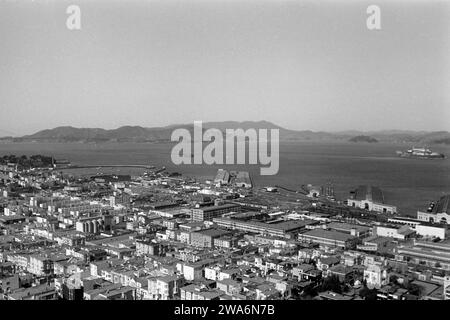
[420, 153]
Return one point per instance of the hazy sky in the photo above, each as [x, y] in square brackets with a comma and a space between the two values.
[300, 64]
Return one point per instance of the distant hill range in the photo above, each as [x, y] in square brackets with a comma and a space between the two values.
[163, 134]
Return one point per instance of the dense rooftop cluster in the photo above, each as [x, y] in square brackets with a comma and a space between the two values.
[164, 236]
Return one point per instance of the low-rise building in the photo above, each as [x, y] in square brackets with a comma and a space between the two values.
[329, 238]
[208, 213]
[437, 213]
[400, 233]
[284, 229]
[376, 275]
[196, 292]
[205, 238]
[426, 253]
[351, 229]
[370, 198]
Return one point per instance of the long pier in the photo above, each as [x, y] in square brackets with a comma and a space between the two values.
[301, 191]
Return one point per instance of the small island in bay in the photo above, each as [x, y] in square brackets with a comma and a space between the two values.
[363, 139]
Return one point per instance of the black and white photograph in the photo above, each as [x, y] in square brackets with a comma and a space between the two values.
[248, 154]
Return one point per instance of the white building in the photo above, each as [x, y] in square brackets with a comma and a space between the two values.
[430, 232]
[370, 198]
[190, 272]
[222, 177]
[376, 276]
[40, 265]
[437, 213]
[447, 288]
[400, 233]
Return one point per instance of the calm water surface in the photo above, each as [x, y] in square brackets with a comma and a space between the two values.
[408, 183]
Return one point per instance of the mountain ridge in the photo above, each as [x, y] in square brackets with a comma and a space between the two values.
[130, 133]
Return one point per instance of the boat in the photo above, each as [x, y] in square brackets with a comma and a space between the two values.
[420, 153]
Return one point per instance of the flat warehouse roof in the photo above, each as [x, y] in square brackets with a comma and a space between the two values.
[330, 235]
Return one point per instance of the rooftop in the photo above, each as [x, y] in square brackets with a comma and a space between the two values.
[369, 193]
[347, 227]
[282, 226]
[214, 233]
[330, 235]
[443, 205]
[224, 206]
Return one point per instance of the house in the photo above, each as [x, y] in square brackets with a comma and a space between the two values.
[266, 292]
[301, 270]
[344, 273]
[326, 263]
[376, 276]
[197, 292]
[191, 271]
[165, 287]
[40, 292]
[229, 286]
